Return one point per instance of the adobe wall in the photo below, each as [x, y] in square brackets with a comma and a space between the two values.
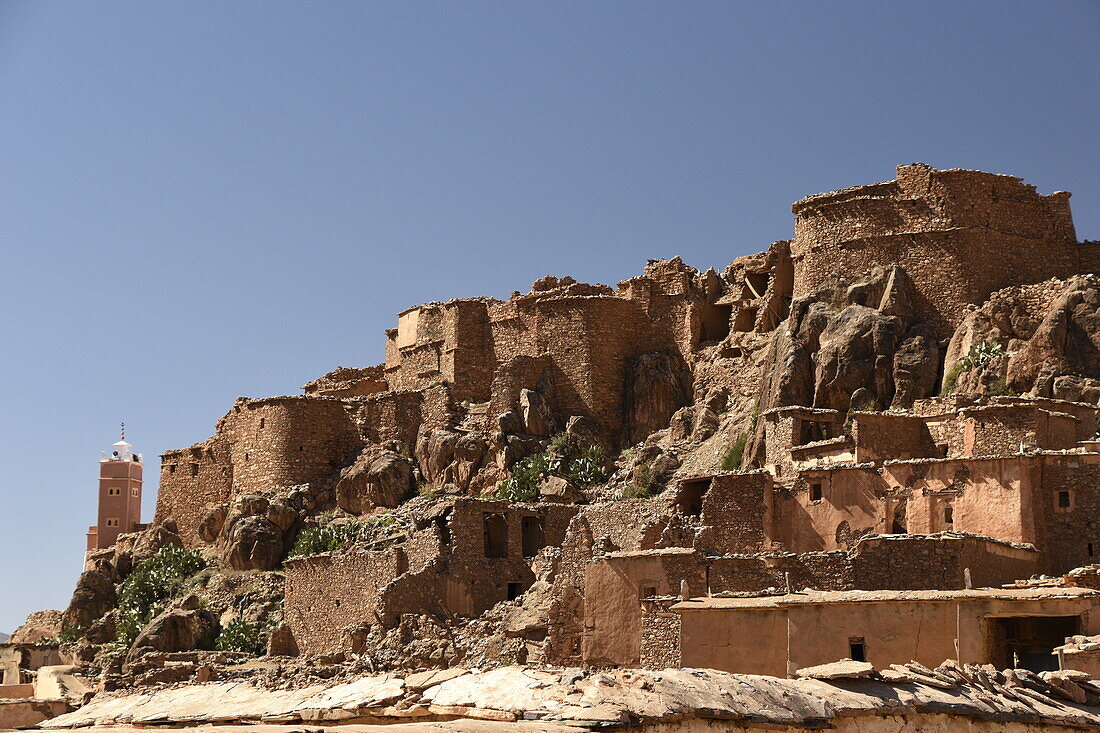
[327, 593]
[960, 235]
[615, 587]
[778, 639]
[852, 502]
[990, 497]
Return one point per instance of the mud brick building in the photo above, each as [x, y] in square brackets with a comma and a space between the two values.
[901, 399]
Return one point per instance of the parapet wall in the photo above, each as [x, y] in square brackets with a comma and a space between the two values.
[960, 235]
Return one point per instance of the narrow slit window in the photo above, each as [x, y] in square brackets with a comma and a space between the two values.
[857, 649]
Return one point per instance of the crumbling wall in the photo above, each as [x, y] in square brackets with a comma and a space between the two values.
[192, 480]
[960, 235]
[735, 512]
[326, 594]
[284, 441]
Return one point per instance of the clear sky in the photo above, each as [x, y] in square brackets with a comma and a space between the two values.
[201, 200]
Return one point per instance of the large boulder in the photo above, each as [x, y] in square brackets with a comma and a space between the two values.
[450, 457]
[538, 417]
[857, 349]
[252, 543]
[657, 385]
[178, 629]
[95, 594]
[1042, 340]
[377, 478]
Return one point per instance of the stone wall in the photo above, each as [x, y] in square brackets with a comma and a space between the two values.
[193, 480]
[960, 235]
[327, 593]
[277, 442]
[660, 647]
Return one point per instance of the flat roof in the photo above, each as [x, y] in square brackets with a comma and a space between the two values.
[816, 597]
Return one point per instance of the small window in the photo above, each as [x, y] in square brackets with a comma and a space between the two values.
[941, 448]
[112, 491]
[301, 449]
[112, 522]
[1063, 500]
[261, 423]
[171, 468]
[857, 649]
[815, 492]
[648, 591]
[1090, 549]
[194, 469]
[948, 515]
[515, 590]
[134, 491]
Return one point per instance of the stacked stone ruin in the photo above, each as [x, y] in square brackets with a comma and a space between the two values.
[811, 417]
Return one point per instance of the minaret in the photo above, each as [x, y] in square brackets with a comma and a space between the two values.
[119, 494]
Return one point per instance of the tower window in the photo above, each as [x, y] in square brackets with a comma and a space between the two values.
[261, 423]
[112, 522]
[1064, 500]
[171, 468]
[113, 491]
[134, 491]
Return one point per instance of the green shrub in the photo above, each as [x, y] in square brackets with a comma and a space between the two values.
[981, 354]
[582, 467]
[71, 633]
[1000, 388]
[336, 536]
[951, 377]
[635, 491]
[240, 636]
[732, 460]
[147, 590]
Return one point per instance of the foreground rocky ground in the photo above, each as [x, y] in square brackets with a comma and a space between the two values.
[844, 695]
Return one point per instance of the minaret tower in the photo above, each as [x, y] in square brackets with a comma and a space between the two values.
[119, 494]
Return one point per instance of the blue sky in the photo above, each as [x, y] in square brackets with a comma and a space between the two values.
[201, 200]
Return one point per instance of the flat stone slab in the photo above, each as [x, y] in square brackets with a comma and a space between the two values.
[543, 699]
[837, 670]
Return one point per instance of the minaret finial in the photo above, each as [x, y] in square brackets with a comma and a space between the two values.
[124, 431]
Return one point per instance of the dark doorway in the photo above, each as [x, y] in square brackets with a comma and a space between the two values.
[1028, 641]
[534, 535]
[496, 536]
[689, 498]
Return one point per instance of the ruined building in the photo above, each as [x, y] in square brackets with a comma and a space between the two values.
[902, 399]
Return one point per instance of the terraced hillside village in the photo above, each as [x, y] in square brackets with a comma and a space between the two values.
[852, 480]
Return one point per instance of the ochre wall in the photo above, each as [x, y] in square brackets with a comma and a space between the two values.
[959, 235]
